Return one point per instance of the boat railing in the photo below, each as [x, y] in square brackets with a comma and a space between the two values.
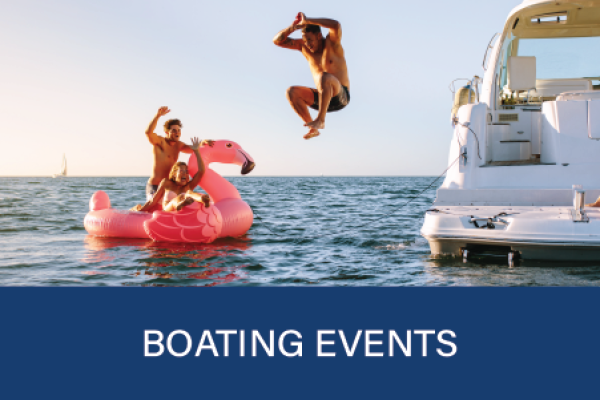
[489, 46]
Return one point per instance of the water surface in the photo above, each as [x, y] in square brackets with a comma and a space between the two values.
[330, 231]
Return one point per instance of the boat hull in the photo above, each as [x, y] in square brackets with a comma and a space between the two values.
[543, 233]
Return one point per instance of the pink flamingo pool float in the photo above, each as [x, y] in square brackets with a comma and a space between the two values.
[229, 215]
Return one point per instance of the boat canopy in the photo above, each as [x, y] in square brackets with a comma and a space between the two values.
[553, 19]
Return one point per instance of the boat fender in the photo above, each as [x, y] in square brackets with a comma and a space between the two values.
[461, 98]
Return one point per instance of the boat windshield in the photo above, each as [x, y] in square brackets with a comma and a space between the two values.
[564, 58]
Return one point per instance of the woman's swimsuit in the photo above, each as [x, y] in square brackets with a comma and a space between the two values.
[169, 195]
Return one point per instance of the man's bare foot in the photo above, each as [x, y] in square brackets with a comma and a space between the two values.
[311, 134]
[316, 124]
[184, 203]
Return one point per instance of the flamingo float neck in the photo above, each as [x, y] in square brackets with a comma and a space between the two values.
[223, 151]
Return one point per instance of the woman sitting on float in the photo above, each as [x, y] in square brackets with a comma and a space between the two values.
[177, 191]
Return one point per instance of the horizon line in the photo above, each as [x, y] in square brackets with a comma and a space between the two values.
[225, 176]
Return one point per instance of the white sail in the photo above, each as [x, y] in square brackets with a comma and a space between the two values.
[63, 168]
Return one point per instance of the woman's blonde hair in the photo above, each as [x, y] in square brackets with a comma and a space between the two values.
[175, 168]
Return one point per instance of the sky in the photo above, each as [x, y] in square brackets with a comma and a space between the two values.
[85, 78]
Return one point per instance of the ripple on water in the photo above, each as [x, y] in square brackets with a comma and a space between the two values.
[314, 231]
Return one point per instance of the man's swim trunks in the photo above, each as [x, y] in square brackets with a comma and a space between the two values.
[150, 190]
[337, 102]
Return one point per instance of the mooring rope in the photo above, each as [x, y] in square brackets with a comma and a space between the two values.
[457, 122]
[370, 222]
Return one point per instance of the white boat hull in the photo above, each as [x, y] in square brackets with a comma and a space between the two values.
[524, 149]
[545, 233]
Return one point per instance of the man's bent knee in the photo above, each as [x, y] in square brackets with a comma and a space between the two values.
[299, 95]
[291, 93]
[325, 79]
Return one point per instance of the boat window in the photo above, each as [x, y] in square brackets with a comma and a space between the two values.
[554, 18]
[564, 58]
[505, 52]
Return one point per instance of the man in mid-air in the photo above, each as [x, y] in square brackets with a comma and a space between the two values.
[326, 60]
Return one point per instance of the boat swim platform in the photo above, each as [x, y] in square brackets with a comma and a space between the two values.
[550, 233]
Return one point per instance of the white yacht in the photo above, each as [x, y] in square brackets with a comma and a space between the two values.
[63, 169]
[525, 150]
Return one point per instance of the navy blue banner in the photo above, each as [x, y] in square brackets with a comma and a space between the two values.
[299, 343]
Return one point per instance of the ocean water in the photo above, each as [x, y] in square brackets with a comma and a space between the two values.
[323, 231]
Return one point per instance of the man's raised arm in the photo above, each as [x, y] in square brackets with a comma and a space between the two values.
[282, 39]
[150, 134]
[335, 28]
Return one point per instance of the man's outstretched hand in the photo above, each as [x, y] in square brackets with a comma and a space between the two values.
[163, 111]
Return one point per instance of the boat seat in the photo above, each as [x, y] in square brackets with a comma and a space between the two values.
[583, 95]
[554, 87]
[560, 89]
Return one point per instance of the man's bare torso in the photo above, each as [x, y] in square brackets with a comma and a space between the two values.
[165, 154]
[330, 60]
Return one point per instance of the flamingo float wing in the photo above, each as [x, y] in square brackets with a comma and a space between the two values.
[166, 221]
[189, 225]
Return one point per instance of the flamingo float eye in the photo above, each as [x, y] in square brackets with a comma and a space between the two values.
[229, 145]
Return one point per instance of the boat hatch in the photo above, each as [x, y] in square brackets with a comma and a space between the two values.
[550, 18]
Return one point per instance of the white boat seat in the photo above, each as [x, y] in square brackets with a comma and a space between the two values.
[521, 73]
[554, 87]
[561, 89]
[579, 96]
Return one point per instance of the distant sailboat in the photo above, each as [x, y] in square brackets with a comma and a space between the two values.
[63, 168]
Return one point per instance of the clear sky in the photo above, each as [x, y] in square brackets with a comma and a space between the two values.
[86, 77]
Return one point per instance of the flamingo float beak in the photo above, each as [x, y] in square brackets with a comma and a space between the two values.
[245, 161]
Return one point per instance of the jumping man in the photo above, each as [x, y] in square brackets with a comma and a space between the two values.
[326, 60]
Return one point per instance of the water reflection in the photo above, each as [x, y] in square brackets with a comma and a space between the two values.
[488, 270]
[168, 264]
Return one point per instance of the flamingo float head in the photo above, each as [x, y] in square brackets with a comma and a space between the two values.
[226, 152]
